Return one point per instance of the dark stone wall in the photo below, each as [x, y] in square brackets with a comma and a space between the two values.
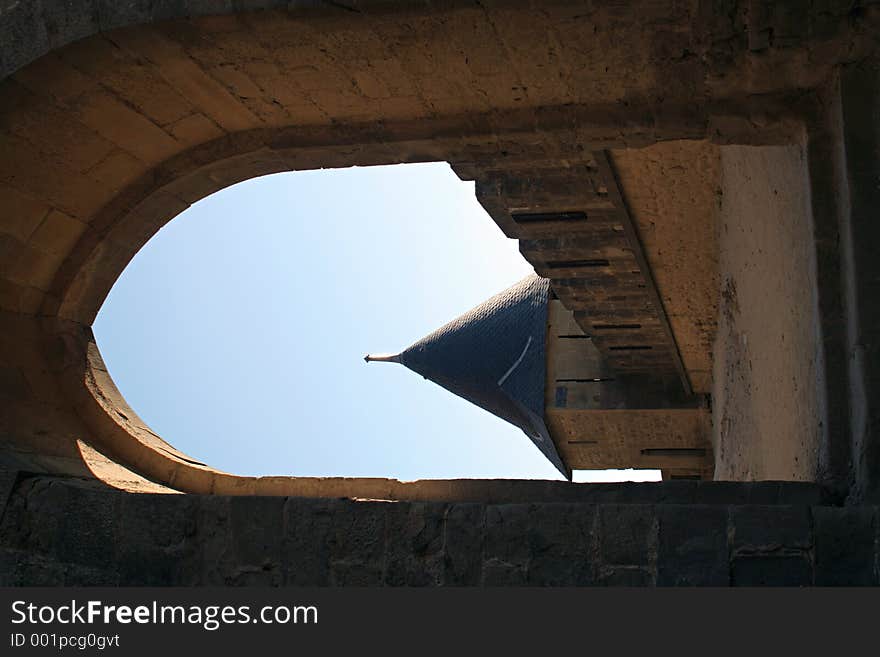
[860, 108]
[69, 532]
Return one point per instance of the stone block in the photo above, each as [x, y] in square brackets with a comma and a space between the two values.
[75, 524]
[155, 567]
[213, 536]
[414, 548]
[21, 214]
[57, 233]
[627, 534]
[563, 545]
[771, 528]
[156, 546]
[78, 575]
[356, 544]
[801, 493]
[31, 570]
[506, 539]
[53, 75]
[47, 127]
[625, 576]
[190, 80]
[19, 298]
[10, 561]
[506, 550]
[673, 492]
[34, 268]
[195, 129]
[692, 546]
[140, 87]
[721, 492]
[257, 524]
[845, 546]
[503, 573]
[306, 541]
[56, 528]
[762, 492]
[65, 189]
[769, 570]
[463, 544]
[116, 171]
[125, 127]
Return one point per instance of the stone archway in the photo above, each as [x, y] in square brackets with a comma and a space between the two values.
[113, 120]
[108, 137]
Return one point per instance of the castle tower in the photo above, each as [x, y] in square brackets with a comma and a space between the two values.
[522, 356]
[494, 356]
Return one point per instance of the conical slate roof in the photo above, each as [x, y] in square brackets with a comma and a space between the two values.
[494, 356]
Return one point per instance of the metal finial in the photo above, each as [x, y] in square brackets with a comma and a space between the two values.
[383, 358]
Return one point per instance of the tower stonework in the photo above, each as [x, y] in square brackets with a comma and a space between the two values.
[695, 187]
[601, 418]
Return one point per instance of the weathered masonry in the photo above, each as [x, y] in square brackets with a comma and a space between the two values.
[696, 181]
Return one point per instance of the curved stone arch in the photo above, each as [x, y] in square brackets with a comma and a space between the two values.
[91, 269]
[141, 113]
[732, 77]
[98, 174]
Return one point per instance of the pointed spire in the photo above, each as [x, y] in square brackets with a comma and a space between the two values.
[493, 356]
[382, 358]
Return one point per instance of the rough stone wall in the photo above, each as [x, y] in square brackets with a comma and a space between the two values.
[57, 531]
[671, 189]
[766, 401]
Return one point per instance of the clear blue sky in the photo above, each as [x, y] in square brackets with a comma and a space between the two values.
[238, 332]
